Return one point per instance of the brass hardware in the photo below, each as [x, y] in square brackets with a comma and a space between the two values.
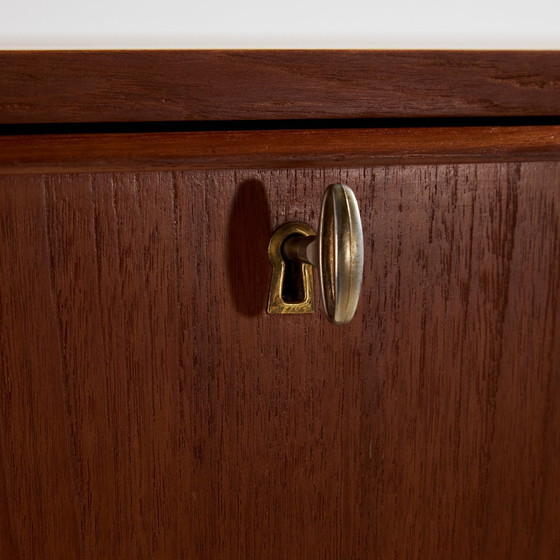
[277, 300]
[337, 252]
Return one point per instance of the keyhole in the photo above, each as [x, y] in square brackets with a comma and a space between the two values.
[293, 289]
[291, 283]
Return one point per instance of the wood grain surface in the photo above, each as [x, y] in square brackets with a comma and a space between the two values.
[109, 86]
[149, 408]
[276, 148]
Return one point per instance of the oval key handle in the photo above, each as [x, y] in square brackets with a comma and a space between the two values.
[337, 252]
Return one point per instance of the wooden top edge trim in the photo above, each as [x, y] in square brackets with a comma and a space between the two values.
[194, 85]
[276, 149]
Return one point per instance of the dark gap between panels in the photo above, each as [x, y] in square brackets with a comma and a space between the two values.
[290, 124]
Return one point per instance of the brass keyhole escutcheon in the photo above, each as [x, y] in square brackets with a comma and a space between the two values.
[291, 285]
[337, 252]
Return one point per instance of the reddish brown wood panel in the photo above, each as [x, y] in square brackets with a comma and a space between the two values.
[276, 148]
[150, 409]
[109, 86]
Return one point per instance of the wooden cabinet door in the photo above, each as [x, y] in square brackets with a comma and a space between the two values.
[149, 408]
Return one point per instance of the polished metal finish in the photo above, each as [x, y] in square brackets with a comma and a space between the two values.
[341, 253]
[302, 249]
[276, 302]
[337, 252]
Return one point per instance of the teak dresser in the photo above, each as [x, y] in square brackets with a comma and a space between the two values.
[150, 408]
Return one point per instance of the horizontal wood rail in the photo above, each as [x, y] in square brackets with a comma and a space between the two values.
[120, 86]
[274, 148]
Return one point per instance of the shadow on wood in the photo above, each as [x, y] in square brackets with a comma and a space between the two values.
[249, 232]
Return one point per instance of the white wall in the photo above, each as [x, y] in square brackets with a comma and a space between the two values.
[447, 24]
